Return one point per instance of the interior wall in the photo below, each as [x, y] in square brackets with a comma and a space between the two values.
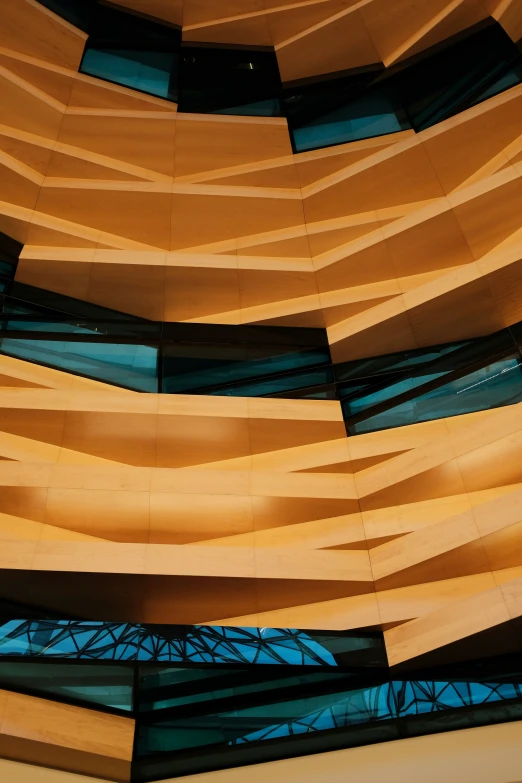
[483, 755]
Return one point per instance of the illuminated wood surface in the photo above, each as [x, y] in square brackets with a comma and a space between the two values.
[261, 511]
[40, 731]
[266, 506]
[392, 243]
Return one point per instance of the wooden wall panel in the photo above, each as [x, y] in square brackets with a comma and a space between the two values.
[263, 504]
[213, 219]
[40, 731]
[489, 754]
[31, 30]
[260, 511]
[325, 36]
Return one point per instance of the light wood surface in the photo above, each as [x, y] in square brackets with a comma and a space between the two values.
[416, 529]
[489, 754]
[323, 36]
[261, 511]
[41, 731]
[391, 243]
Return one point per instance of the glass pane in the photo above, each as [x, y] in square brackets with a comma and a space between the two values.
[149, 72]
[370, 115]
[213, 368]
[268, 108]
[110, 686]
[496, 384]
[492, 386]
[229, 81]
[162, 689]
[304, 706]
[131, 366]
[189, 644]
[133, 50]
[450, 78]
[281, 385]
[417, 93]
[77, 12]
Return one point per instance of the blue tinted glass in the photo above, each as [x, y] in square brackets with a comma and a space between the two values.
[496, 384]
[491, 386]
[55, 327]
[417, 93]
[217, 703]
[451, 77]
[368, 116]
[148, 72]
[285, 712]
[393, 389]
[61, 324]
[132, 366]
[504, 82]
[268, 108]
[204, 368]
[369, 368]
[287, 383]
[397, 416]
[109, 686]
[188, 644]
[7, 269]
[163, 688]
[133, 50]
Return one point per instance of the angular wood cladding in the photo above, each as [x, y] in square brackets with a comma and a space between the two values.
[394, 242]
[40, 731]
[257, 512]
[261, 512]
[313, 37]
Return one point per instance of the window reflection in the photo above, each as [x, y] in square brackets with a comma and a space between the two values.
[130, 366]
[134, 51]
[229, 81]
[145, 71]
[147, 55]
[430, 384]
[207, 697]
[417, 93]
[258, 361]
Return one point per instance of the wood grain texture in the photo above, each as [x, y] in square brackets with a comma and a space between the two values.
[391, 243]
[40, 731]
[261, 512]
[491, 754]
[265, 504]
[314, 37]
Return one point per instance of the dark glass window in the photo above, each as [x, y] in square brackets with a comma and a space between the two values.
[256, 361]
[77, 12]
[245, 361]
[130, 366]
[67, 334]
[417, 93]
[209, 698]
[133, 51]
[341, 110]
[433, 383]
[100, 686]
[93, 341]
[457, 74]
[146, 55]
[55, 637]
[10, 249]
[229, 81]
